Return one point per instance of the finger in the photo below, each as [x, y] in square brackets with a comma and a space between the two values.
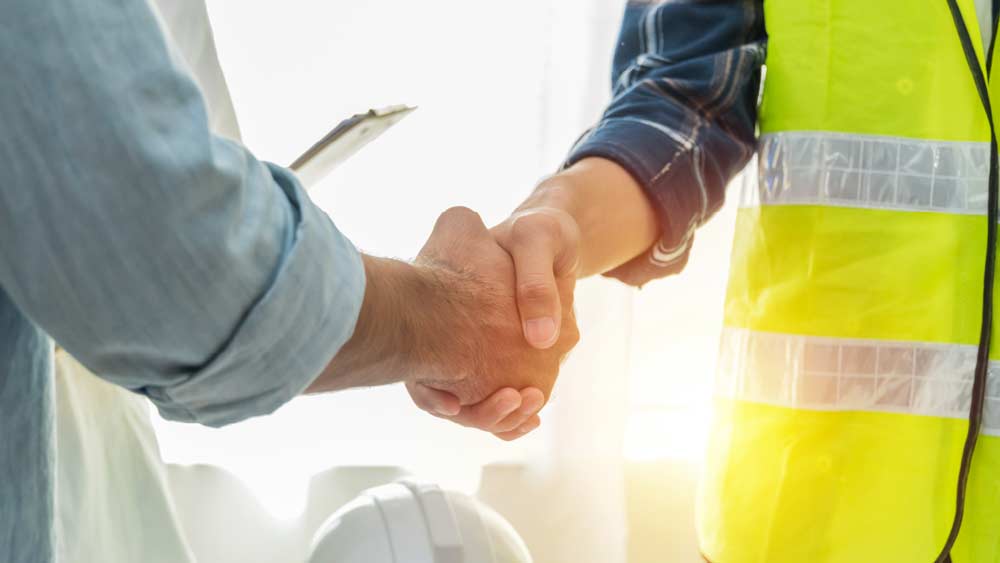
[486, 414]
[533, 245]
[532, 401]
[523, 430]
[434, 401]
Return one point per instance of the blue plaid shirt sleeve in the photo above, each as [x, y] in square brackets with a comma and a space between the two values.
[682, 120]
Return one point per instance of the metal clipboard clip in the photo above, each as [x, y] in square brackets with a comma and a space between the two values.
[345, 140]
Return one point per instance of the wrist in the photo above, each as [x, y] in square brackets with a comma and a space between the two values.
[615, 218]
[385, 338]
[559, 191]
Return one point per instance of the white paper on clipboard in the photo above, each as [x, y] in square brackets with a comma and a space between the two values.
[346, 139]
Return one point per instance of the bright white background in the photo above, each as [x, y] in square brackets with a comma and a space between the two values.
[503, 90]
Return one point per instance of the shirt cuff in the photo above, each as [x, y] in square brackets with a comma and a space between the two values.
[289, 336]
[667, 174]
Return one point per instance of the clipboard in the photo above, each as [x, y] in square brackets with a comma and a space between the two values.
[344, 141]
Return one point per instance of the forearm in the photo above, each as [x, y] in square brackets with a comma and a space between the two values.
[166, 259]
[384, 342]
[615, 217]
[682, 119]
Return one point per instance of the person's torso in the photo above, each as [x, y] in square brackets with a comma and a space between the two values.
[854, 307]
[101, 493]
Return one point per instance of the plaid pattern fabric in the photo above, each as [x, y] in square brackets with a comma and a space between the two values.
[682, 121]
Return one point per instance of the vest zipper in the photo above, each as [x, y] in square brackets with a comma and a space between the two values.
[983, 352]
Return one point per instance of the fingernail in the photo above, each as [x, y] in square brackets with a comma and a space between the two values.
[540, 332]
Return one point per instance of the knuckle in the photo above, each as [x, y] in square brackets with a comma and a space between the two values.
[459, 211]
[535, 290]
[572, 332]
[529, 229]
[458, 215]
[571, 337]
[420, 400]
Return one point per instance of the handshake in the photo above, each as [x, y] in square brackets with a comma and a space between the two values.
[477, 326]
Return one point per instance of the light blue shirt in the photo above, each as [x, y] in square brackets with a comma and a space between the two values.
[167, 260]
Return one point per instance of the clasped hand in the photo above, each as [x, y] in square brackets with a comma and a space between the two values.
[500, 320]
[477, 326]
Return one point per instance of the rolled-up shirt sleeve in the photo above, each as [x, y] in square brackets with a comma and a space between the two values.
[682, 120]
[166, 259]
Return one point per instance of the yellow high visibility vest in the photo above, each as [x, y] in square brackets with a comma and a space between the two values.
[854, 308]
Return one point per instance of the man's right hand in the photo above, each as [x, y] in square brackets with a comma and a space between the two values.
[488, 346]
[449, 327]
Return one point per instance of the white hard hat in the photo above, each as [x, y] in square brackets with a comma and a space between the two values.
[409, 522]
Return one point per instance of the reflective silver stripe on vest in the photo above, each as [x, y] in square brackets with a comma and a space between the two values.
[836, 374]
[835, 169]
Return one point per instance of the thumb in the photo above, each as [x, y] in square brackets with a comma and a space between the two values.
[440, 403]
[538, 245]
